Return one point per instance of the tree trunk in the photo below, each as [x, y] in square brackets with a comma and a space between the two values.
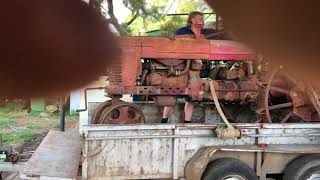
[97, 4]
[114, 21]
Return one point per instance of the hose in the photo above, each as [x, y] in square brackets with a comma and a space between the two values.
[230, 132]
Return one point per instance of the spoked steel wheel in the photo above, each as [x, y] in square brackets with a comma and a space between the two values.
[279, 89]
[97, 113]
[121, 113]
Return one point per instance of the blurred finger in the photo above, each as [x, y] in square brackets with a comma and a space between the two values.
[48, 47]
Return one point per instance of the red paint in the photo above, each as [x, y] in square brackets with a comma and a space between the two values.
[264, 146]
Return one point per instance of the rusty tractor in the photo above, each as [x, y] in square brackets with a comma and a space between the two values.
[163, 69]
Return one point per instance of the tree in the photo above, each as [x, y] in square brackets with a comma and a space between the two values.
[151, 15]
[97, 4]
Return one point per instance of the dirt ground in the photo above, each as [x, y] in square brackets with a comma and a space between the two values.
[24, 131]
[38, 133]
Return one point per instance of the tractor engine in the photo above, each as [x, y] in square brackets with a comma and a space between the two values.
[235, 82]
[165, 72]
[230, 77]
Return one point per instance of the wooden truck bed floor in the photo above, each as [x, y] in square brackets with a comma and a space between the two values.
[58, 157]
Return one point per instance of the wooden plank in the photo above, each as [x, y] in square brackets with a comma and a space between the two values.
[58, 156]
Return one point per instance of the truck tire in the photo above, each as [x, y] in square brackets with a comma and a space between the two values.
[303, 168]
[229, 168]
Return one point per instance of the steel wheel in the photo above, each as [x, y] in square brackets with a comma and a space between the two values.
[97, 113]
[122, 113]
[271, 89]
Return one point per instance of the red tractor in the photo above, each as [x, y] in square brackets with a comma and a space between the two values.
[163, 69]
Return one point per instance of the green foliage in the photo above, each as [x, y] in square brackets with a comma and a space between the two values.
[152, 15]
[135, 5]
[173, 23]
[149, 14]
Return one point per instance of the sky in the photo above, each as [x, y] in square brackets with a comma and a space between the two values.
[121, 12]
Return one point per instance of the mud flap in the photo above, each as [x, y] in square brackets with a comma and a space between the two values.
[196, 166]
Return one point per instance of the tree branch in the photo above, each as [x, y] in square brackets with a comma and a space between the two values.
[133, 18]
[114, 21]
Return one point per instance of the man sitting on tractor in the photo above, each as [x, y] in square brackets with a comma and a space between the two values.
[194, 26]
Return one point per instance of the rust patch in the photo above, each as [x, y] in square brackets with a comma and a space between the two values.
[141, 171]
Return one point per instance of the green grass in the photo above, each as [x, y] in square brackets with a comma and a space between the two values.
[10, 115]
[8, 119]
[34, 113]
[6, 109]
[5, 122]
[23, 135]
[74, 115]
[10, 108]
[56, 125]
[8, 138]
[34, 126]
[19, 136]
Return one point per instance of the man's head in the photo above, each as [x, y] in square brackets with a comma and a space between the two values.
[196, 19]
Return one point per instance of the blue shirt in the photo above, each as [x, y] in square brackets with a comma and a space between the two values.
[184, 30]
[187, 30]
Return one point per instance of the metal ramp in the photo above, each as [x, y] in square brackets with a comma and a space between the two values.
[57, 157]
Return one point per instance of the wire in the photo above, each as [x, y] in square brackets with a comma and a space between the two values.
[168, 9]
[209, 15]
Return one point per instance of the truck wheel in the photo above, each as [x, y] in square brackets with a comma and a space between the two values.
[303, 168]
[229, 169]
